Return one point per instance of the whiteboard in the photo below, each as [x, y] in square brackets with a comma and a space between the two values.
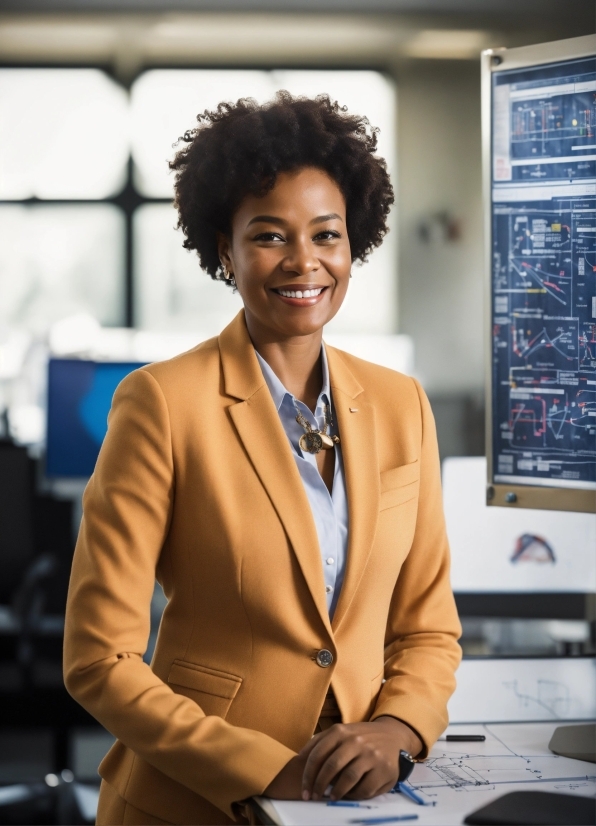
[516, 690]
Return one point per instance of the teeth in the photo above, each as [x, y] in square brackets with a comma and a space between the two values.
[300, 293]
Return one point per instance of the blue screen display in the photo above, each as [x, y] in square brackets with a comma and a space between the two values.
[544, 275]
[79, 400]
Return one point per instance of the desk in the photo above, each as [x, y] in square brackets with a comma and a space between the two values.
[459, 778]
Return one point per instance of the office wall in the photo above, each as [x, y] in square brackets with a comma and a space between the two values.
[441, 280]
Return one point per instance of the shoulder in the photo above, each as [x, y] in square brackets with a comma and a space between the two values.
[379, 382]
[178, 372]
[168, 384]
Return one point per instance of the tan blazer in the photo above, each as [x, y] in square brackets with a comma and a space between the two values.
[196, 485]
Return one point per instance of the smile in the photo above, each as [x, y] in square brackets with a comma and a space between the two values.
[300, 293]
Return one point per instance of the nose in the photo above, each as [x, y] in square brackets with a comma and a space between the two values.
[301, 258]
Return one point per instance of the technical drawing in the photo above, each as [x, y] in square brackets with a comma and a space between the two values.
[544, 275]
[544, 340]
[549, 695]
[499, 765]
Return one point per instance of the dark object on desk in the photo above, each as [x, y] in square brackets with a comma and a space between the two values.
[536, 809]
[406, 766]
[465, 738]
[577, 742]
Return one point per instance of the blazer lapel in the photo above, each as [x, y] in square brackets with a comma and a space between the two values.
[260, 429]
[356, 423]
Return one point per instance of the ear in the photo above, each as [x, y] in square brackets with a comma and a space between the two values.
[224, 251]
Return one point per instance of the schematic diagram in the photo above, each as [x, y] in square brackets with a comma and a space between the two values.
[544, 339]
[547, 130]
[544, 129]
[501, 763]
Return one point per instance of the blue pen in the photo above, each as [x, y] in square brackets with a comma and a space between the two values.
[409, 792]
[352, 804]
[393, 819]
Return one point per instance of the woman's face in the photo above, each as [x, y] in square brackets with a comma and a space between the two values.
[290, 255]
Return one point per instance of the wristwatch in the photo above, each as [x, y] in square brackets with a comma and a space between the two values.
[406, 765]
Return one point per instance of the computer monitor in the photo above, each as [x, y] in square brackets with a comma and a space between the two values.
[539, 147]
[79, 399]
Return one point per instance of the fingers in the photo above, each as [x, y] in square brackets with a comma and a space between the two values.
[368, 787]
[326, 744]
[347, 760]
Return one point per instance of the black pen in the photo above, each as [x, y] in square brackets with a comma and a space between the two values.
[463, 738]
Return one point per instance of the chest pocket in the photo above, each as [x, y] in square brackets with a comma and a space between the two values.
[212, 690]
[399, 485]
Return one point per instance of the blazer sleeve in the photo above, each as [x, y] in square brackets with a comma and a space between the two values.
[421, 648]
[127, 509]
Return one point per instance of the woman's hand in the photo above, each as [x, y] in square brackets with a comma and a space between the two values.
[358, 760]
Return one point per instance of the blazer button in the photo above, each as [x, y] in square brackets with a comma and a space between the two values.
[324, 658]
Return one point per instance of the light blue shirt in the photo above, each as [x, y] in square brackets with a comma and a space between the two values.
[330, 511]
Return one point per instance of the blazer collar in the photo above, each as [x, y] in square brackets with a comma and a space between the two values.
[259, 427]
[357, 429]
[243, 375]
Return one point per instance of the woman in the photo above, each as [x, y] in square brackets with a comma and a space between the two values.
[285, 494]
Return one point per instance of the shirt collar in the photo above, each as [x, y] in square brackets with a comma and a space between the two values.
[279, 392]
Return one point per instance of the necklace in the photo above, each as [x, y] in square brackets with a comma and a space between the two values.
[313, 441]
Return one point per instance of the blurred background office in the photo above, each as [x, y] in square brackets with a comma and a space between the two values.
[94, 281]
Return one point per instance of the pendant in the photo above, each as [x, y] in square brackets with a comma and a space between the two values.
[327, 441]
[311, 442]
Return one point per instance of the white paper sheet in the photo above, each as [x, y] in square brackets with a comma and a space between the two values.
[459, 778]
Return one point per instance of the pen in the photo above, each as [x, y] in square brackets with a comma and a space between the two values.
[464, 738]
[392, 819]
[409, 792]
[352, 804]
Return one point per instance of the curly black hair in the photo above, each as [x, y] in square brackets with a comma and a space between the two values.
[240, 148]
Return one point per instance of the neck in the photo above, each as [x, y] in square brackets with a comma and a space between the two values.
[296, 361]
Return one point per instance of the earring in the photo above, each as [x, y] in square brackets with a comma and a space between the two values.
[229, 277]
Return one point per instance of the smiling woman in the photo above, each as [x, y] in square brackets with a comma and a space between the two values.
[285, 494]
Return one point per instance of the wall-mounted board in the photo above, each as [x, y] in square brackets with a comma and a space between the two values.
[539, 135]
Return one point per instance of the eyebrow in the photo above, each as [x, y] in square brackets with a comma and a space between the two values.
[271, 219]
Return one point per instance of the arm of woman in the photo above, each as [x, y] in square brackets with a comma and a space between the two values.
[421, 648]
[360, 760]
[127, 509]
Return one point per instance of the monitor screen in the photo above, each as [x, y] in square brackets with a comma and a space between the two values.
[79, 400]
[543, 260]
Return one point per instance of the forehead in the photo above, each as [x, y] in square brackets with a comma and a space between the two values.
[301, 194]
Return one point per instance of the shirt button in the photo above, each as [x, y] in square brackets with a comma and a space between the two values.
[324, 658]
[328, 588]
[329, 560]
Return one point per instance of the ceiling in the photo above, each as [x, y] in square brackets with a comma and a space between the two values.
[130, 34]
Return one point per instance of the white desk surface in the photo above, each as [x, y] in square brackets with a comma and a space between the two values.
[459, 778]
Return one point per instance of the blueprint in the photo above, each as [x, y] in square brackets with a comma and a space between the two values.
[459, 778]
[544, 275]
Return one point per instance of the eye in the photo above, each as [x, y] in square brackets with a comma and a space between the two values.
[268, 237]
[327, 235]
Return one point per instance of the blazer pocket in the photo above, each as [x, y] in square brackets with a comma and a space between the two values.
[399, 485]
[211, 689]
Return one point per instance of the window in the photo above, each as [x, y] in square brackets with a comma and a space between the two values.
[104, 241]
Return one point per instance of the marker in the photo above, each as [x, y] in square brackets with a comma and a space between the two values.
[394, 819]
[409, 792]
[352, 804]
[463, 738]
